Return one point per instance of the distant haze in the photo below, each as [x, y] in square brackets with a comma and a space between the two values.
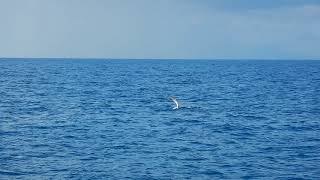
[192, 29]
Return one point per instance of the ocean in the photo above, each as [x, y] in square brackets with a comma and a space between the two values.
[113, 119]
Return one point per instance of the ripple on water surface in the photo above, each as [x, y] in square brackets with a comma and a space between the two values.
[94, 119]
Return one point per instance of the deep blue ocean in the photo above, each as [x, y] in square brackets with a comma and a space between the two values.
[113, 119]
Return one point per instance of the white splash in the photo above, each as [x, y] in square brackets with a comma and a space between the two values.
[176, 102]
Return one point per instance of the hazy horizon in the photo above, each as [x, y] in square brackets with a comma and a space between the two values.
[187, 59]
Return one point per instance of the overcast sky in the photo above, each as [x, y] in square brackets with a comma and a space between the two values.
[193, 29]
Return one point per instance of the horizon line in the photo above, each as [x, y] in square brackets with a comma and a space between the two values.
[214, 59]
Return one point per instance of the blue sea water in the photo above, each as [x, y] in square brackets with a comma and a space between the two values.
[113, 119]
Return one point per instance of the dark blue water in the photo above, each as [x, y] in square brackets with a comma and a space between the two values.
[98, 119]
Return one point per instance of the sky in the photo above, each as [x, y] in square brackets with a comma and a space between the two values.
[160, 29]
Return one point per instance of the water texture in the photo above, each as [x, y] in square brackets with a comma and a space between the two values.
[113, 119]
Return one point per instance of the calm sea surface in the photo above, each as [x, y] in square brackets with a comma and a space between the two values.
[113, 119]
